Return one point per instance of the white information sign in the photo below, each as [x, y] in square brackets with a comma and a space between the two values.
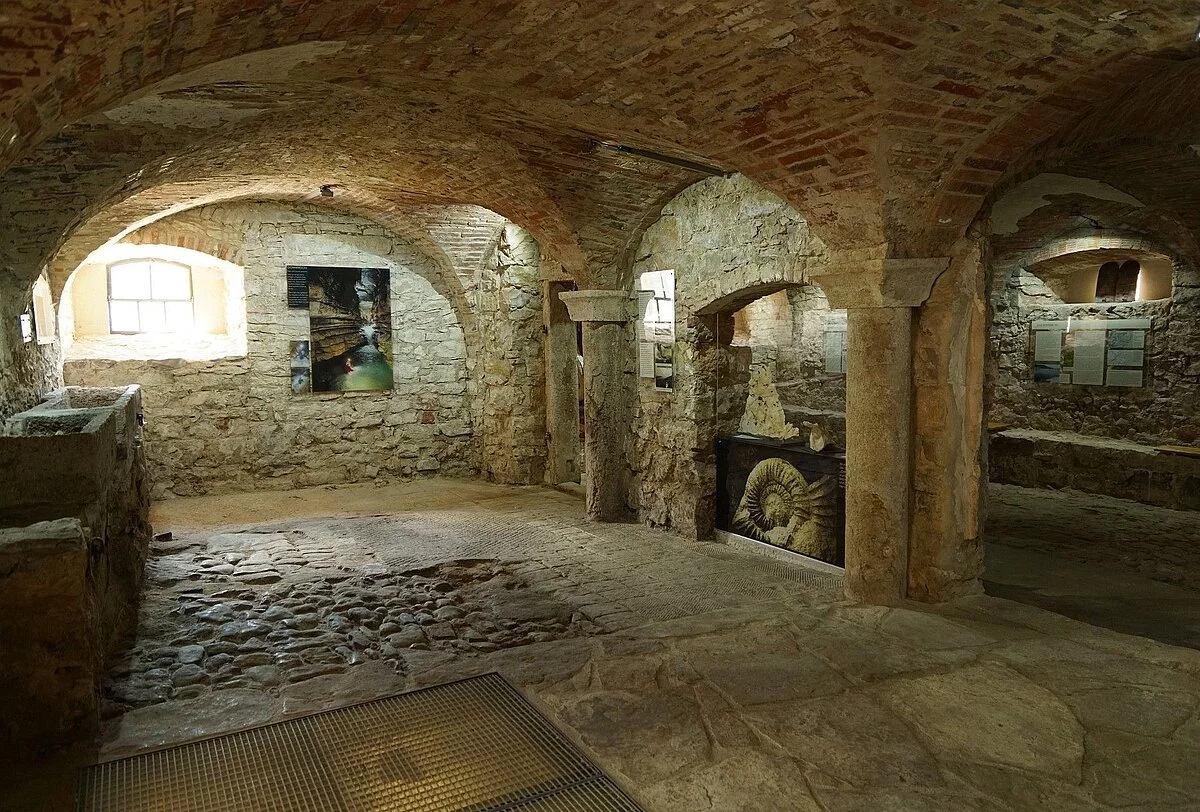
[1090, 352]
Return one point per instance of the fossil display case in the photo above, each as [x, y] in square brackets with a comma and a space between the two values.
[782, 493]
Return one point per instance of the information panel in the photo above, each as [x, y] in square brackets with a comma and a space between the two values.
[1090, 352]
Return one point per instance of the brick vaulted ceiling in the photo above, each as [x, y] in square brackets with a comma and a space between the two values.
[886, 124]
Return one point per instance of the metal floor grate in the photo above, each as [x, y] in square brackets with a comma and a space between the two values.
[476, 745]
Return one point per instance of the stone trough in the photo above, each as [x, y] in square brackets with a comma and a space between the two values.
[74, 530]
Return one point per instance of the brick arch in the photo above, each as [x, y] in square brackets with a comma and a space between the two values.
[1085, 243]
[1041, 111]
[161, 233]
[1186, 270]
[137, 209]
[157, 226]
[397, 157]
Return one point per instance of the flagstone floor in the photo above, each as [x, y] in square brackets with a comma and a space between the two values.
[697, 675]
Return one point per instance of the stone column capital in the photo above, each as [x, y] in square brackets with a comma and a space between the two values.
[598, 305]
[879, 282]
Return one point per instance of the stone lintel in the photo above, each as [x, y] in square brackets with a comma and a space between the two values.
[879, 282]
[598, 305]
[25, 544]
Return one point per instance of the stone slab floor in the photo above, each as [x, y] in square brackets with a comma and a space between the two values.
[1123, 565]
[699, 676]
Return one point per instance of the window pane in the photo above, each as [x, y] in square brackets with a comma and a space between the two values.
[179, 317]
[170, 281]
[153, 318]
[130, 280]
[123, 317]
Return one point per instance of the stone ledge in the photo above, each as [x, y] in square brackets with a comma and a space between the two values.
[1121, 469]
[22, 544]
[598, 305]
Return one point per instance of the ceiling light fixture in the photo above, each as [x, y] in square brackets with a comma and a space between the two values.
[658, 157]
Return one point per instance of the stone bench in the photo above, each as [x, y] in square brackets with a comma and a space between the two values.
[1126, 470]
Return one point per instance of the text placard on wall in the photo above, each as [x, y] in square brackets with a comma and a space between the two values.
[835, 342]
[1090, 352]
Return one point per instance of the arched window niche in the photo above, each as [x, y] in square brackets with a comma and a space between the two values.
[1105, 277]
[131, 302]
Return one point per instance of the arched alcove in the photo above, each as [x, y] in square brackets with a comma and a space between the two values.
[732, 246]
[207, 319]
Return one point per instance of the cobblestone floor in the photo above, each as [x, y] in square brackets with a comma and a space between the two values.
[1123, 565]
[700, 677]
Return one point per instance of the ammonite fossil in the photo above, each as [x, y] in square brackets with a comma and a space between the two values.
[780, 507]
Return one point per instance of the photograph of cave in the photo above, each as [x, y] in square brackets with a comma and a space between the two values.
[350, 324]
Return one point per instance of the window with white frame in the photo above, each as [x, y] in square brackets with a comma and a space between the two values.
[150, 296]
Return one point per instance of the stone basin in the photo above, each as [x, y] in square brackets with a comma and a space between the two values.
[62, 451]
[82, 410]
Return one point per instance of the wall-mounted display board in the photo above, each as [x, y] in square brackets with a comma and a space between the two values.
[782, 493]
[656, 344]
[1090, 352]
[350, 329]
[835, 342]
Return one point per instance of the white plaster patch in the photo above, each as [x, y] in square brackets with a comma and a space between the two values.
[1034, 193]
[256, 69]
[194, 112]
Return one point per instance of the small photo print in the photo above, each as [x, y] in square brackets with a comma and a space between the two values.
[664, 366]
[301, 368]
[1047, 372]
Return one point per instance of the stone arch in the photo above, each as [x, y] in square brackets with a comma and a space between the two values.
[159, 233]
[728, 234]
[730, 242]
[112, 226]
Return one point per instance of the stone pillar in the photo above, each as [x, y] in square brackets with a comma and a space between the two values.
[607, 398]
[562, 387]
[880, 297]
[879, 432]
[949, 468]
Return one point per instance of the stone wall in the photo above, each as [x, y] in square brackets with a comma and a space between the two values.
[512, 419]
[233, 424]
[1165, 410]
[27, 371]
[729, 242]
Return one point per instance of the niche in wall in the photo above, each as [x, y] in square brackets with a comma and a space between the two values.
[793, 341]
[1106, 276]
[153, 301]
